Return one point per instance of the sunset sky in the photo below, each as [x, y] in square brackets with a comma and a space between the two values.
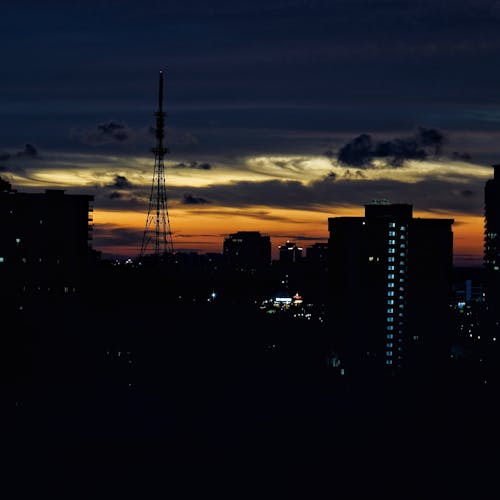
[280, 114]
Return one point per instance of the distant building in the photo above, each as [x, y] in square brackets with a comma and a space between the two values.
[290, 253]
[492, 243]
[317, 253]
[44, 244]
[247, 250]
[391, 286]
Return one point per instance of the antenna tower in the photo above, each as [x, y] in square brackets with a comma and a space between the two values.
[157, 238]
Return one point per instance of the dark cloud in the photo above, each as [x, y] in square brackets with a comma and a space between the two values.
[461, 156]
[259, 215]
[179, 137]
[361, 151]
[297, 237]
[110, 235]
[430, 194]
[467, 193]
[115, 195]
[29, 151]
[121, 182]
[110, 132]
[194, 165]
[189, 199]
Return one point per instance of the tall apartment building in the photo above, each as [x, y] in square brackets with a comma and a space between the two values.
[391, 285]
[290, 253]
[44, 244]
[247, 250]
[492, 243]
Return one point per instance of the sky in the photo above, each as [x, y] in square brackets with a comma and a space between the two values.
[280, 114]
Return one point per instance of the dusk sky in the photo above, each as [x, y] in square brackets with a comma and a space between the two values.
[280, 114]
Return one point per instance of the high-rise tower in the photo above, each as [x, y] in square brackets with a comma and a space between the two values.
[157, 238]
[390, 289]
[492, 242]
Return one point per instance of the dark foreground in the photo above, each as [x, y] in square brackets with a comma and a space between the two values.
[215, 400]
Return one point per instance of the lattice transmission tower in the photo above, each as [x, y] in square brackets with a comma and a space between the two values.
[157, 237]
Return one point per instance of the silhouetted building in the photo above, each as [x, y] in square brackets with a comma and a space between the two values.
[317, 253]
[44, 244]
[247, 250]
[391, 279]
[290, 253]
[492, 243]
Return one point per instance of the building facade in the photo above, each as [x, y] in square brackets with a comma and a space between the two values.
[391, 284]
[45, 240]
[247, 250]
[290, 253]
[492, 244]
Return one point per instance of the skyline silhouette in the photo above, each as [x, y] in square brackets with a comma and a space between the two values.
[282, 113]
[328, 322]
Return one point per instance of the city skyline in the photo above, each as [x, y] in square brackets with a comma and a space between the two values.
[279, 114]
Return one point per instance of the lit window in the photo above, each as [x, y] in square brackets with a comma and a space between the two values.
[388, 353]
[401, 271]
[402, 254]
[390, 259]
[370, 258]
[401, 262]
[390, 328]
[392, 242]
[388, 362]
[390, 319]
[402, 245]
[391, 250]
[390, 268]
[390, 302]
[1, 259]
[401, 280]
[402, 228]
[390, 294]
[392, 233]
[390, 336]
[390, 285]
[390, 311]
[390, 276]
[389, 345]
[18, 240]
[392, 224]
[402, 237]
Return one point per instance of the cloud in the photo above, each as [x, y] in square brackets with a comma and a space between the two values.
[110, 132]
[467, 193]
[121, 182]
[111, 235]
[296, 237]
[189, 199]
[428, 194]
[361, 151]
[193, 165]
[461, 156]
[29, 151]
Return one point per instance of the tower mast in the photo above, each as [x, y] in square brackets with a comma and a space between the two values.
[157, 237]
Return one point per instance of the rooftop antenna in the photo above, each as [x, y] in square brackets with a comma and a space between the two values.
[157, 237]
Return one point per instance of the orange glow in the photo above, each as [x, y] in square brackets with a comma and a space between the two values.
[204, 229]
